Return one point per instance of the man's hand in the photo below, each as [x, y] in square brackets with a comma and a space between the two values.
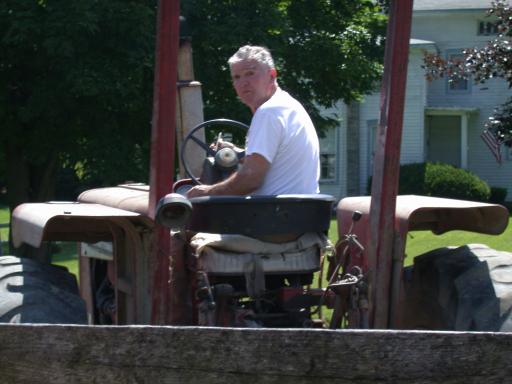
[219, 144]
[199, 190]
[243, 182]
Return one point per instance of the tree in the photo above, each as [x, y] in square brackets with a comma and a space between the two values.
[76, 76]
[76, 87]
[325, 50]
[493, 60]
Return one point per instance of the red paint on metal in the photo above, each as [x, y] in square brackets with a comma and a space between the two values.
[162, 146]
[387, 160]
[414, 213]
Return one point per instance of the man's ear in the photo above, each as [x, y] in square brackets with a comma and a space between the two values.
[273, 73]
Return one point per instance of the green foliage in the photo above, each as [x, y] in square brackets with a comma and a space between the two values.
[441, 180]
[498, 195]
[445, 180]
[412, 179]
[76, 85]
[500, 123]
[76, 76]
[324, 50]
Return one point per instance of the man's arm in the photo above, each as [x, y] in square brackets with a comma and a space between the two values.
[243, 182]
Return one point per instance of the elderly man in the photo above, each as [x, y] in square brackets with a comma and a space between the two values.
[282, 150]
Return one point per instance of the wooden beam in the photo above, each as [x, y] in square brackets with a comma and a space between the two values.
[387, 161]
[162, 147]
[144, 354]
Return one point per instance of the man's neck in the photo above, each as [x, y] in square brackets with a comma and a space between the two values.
[272, 92]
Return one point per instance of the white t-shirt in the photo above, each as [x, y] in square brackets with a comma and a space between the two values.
[282, 132]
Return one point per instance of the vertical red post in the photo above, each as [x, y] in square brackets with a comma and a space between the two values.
[162, 147]
[387, 160]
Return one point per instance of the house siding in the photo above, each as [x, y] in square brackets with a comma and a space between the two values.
[453, 32]
[448, 31]
[413, 141]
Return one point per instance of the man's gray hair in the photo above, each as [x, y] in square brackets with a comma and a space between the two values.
[252, 52]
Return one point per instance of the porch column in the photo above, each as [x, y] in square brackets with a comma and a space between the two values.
[464, 140]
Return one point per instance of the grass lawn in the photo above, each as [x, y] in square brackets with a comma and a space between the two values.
[419, 242]
[4, 232]
[67, 256]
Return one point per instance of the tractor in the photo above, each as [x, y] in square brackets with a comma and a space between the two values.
[149, 255]
[249, 262]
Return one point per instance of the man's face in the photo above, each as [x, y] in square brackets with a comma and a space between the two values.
[253, 82]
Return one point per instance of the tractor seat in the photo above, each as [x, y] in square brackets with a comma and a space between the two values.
[231, 255]
[263, 217]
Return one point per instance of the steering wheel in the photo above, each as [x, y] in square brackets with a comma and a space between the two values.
[224, 158]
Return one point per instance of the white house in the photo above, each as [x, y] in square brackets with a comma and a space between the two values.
[442, 121]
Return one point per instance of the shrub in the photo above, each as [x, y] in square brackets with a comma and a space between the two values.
[498, 195]
[445, 180]
[412, 179]
[441, 180]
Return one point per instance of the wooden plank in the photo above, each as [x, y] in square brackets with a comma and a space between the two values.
[161, 173]
[387, 161]
[144, 354]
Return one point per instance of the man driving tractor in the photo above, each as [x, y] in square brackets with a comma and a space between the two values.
[282, 149]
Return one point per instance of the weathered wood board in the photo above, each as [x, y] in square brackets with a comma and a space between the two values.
[145, 354]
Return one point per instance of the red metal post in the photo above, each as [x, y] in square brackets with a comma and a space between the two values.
[387, 161]
[162, 146]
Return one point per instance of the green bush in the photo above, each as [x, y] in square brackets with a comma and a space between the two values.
[441, 180]
[445, 180]
[412, 179]
[498, 195]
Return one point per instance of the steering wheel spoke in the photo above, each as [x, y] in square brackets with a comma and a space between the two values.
[206, 147]
[209, 151]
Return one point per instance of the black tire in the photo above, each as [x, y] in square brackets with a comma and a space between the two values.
[32, 292]
[468, 288]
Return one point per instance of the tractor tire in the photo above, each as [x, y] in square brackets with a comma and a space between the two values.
[32, 292]
[468, 288]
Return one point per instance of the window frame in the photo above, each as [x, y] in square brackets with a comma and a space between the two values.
[490, 28]
[334, 153]
[455, 91]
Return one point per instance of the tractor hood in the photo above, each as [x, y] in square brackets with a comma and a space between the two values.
[91, 219]
[437, 214]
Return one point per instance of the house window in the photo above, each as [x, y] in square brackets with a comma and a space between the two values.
[457, 84]
[486, 28]
[328, 168]
[328, 156]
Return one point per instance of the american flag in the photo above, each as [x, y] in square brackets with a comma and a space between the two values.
[493, 143]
